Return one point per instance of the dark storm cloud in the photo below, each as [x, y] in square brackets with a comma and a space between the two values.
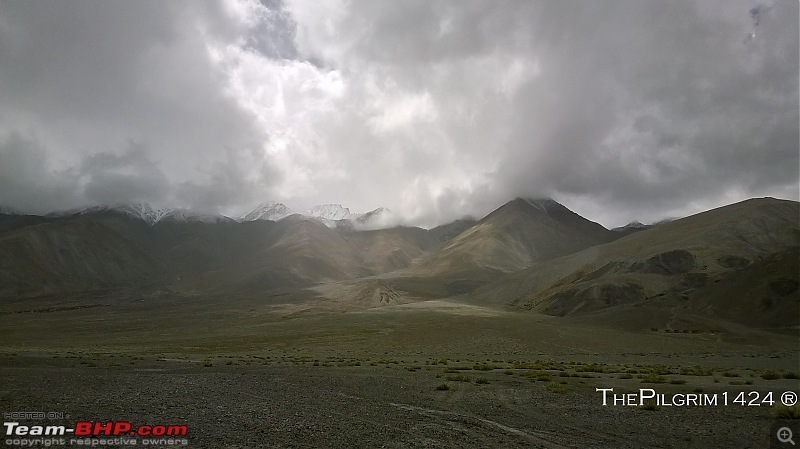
[621, 110]
[26, 184]
[107, 177]
[88, 78]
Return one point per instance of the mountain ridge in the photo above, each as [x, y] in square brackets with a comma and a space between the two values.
[528, 254]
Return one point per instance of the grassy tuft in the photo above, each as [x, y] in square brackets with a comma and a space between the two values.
[783, 412]
[458, 378]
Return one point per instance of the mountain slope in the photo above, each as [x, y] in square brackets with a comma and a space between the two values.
[515, 235]
[391, 249]
[688, 266]
[269, 211]
[76, 253]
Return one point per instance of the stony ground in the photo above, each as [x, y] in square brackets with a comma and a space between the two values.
[252, 401]
[439, 374]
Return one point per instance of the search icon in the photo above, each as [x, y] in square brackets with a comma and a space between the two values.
[784, 435]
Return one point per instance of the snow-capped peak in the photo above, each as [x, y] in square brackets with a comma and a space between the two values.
[376, 219]
[140, 210]
[147, 213]
[270, 210]
[330, 212]
[331, 215]
[187, 215]
[634, 224]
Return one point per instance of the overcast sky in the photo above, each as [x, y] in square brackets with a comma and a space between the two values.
[618, 109]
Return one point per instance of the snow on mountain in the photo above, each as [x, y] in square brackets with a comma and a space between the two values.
[269, 211]
[376, 219]
[142, 211]
[146, 213]
[330, 212]
[187, 215]
[546, 205]
[633, 225]
[331, 215]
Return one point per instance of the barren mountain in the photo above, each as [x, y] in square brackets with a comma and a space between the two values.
[737, 262]
[76, 253]
[513, 237]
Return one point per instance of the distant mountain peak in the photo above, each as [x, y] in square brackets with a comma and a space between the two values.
[331, 215]
[188, 215]
[330, 212]
[545, 205]
[137, 209]
[270, 210]
[145, 212]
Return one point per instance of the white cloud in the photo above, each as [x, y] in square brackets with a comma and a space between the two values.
[432, 109]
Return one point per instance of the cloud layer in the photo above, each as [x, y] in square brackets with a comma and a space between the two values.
[622, 110]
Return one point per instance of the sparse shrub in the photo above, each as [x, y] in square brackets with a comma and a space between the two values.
[650, 406]
[556, 388]
[770, 375]
[543, 377]
[482, 381]
[791, 375]
[442, 387]
[593, 368]
[458, 378]
[483, 367]
[653, 379]
[626, 376]
[660, 369]
[697, 371]
[677, 381]
[783, 412]
[730, 374]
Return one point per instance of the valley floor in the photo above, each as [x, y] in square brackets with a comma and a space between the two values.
[434, 374]
[260, 403]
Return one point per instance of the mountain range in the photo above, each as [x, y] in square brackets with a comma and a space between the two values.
[737, 263]
[332, 215]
